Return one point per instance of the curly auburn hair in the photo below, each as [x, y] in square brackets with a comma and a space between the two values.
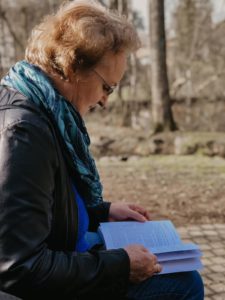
[78, 36]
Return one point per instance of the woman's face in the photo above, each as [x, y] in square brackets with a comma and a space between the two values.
[94, 87]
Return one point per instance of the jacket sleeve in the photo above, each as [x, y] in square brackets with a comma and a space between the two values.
[28, 268]
[97, 214]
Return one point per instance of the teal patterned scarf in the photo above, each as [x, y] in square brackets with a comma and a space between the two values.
[37, 87]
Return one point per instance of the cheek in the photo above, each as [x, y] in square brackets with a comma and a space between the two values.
[92, 93]
[89, 93]
[96, 93]
[92, 96]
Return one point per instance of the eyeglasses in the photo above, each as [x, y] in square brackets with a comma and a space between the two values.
[109, 89]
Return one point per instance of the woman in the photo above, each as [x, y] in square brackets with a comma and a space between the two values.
[51, 195]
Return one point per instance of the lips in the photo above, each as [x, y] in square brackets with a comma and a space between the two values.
[93, 107]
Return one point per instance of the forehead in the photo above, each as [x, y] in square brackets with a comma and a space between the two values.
[113, 66]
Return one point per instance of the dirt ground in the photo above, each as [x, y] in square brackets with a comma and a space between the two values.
[185, 189]
[188, 189]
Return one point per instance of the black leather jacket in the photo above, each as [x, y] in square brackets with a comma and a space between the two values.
[38, 215]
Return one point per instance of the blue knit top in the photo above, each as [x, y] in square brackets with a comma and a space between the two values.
[83, 223]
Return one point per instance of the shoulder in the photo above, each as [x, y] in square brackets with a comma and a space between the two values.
[25, 131]
[16, 109]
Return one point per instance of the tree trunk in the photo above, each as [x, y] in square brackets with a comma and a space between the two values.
[161, 103]
[121, 5]
[125, 8]
[1, 41]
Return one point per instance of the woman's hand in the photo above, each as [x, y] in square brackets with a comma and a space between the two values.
[143, 264]
[125, 211]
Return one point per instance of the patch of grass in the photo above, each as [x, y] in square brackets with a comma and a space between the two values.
[172, 163]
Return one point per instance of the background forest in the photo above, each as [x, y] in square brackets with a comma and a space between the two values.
[194, 52]
[171, 101]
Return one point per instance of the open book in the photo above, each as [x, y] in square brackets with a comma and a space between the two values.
[159, 237]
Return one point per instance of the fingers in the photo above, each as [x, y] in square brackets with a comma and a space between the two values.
[124, 211]
[132, 214]
[143, 248]
[143, 264]
[157, 268]
[154, 258]
[147, 215]
[140, 210]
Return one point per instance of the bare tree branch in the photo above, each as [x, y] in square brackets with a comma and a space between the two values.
[16, 39]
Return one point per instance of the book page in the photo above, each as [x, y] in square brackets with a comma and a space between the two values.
[183, 265]
[178, 255]
[159, 237]
[151, 234]
[178, 248]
